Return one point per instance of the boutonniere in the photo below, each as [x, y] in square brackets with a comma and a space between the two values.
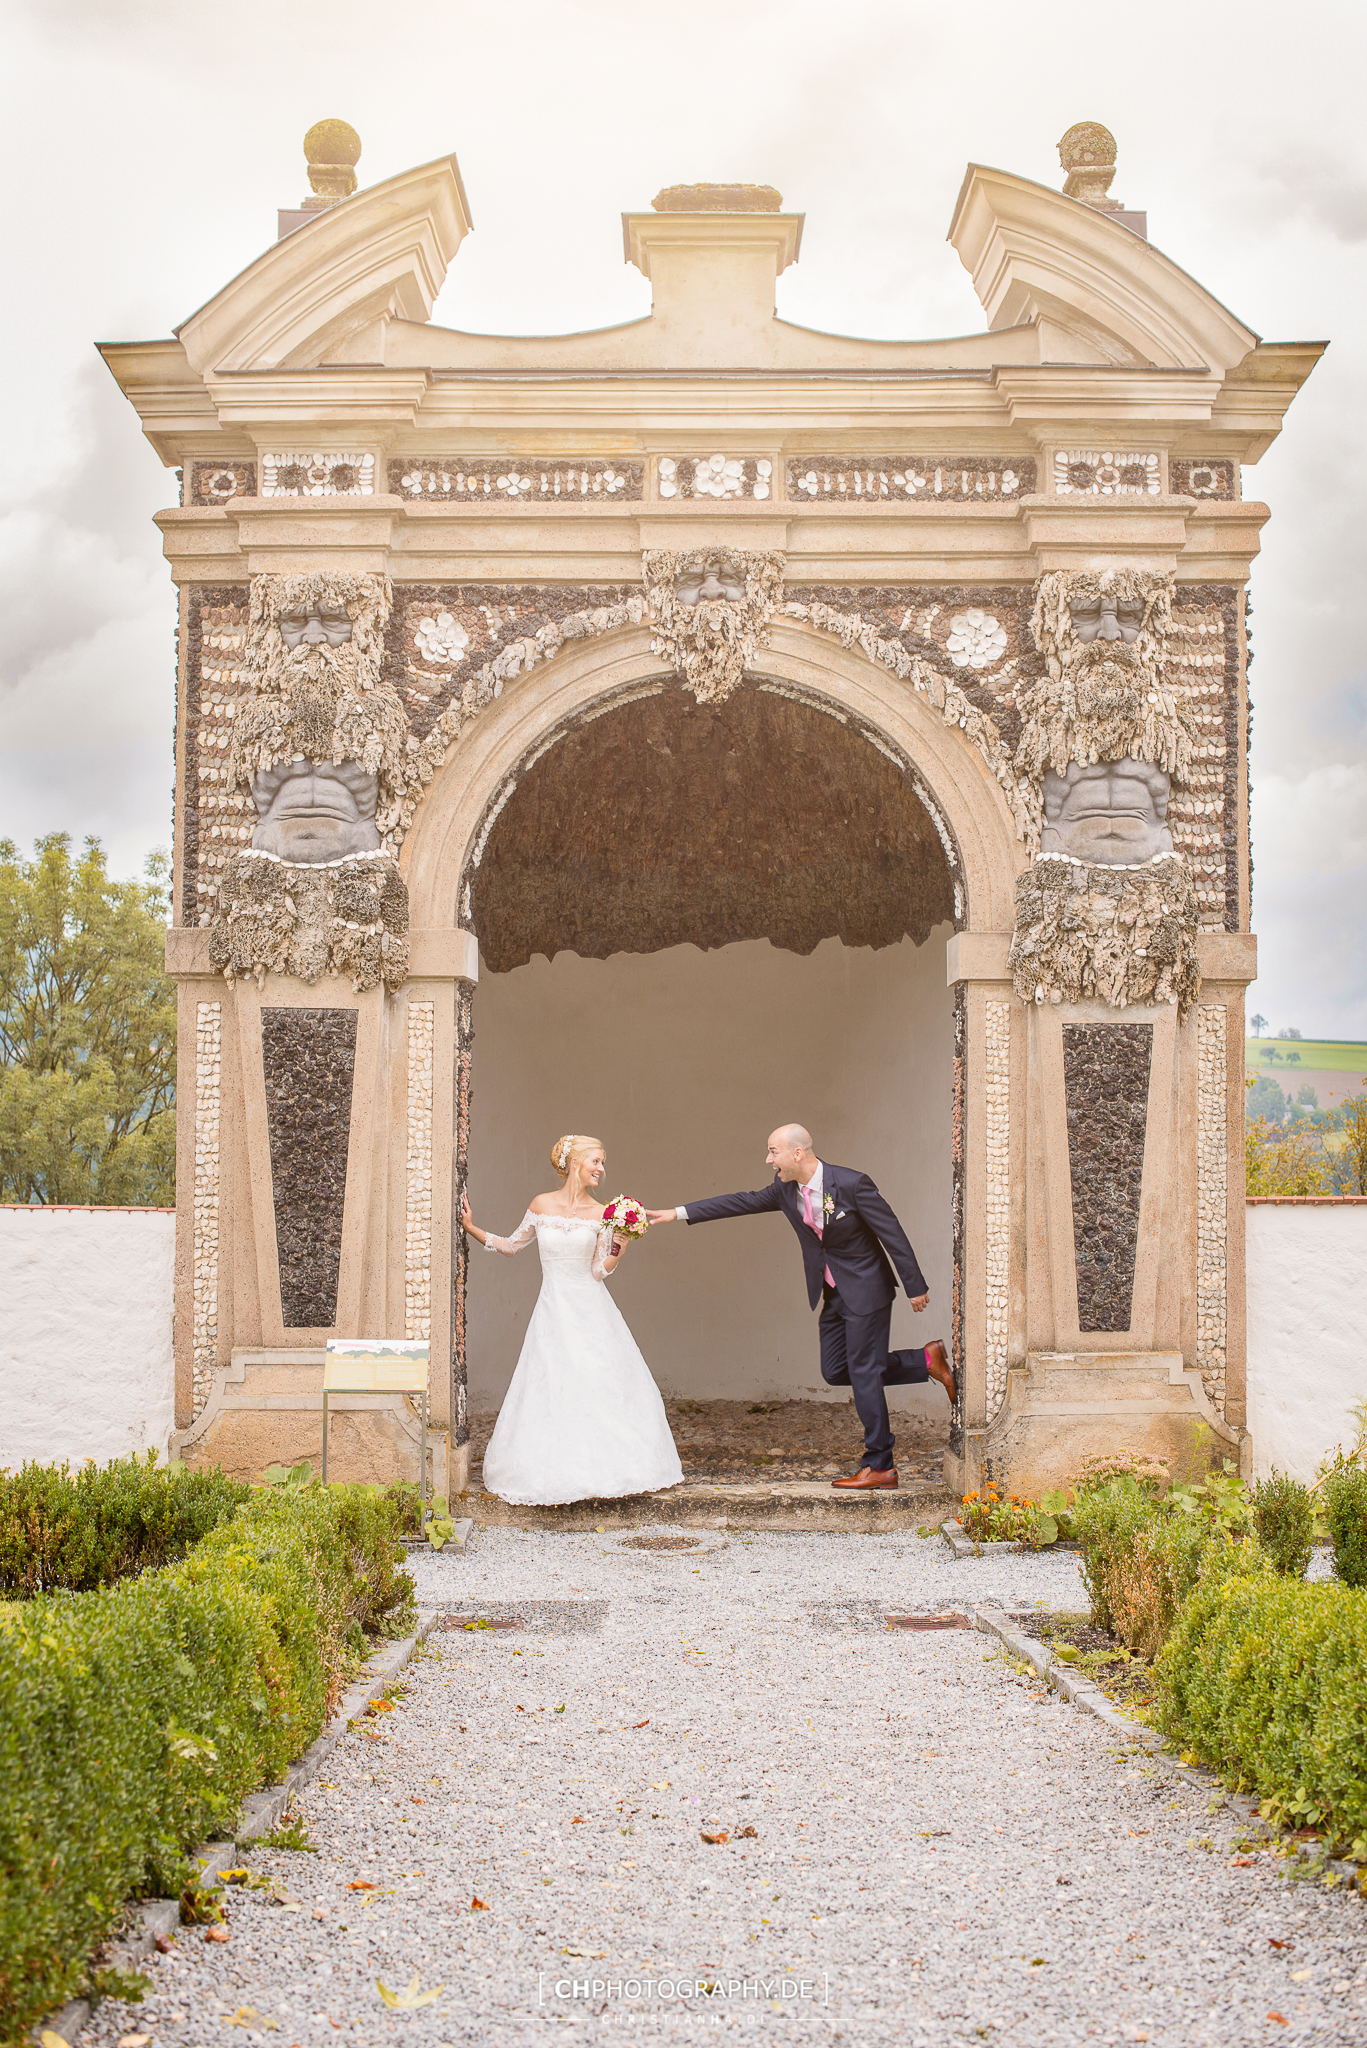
[829, 1205]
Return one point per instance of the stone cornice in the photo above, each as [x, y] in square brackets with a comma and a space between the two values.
[1004, 411]
[422, 541]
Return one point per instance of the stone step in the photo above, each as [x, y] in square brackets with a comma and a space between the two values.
[791, 1505]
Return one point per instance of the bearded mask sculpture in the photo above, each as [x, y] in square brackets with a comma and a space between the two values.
[1103, 736]
[323, 747]
[322, 744]
[711, 609]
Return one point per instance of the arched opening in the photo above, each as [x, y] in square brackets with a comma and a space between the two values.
[696, 922]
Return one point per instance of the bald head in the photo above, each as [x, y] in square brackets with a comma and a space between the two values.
[790, 1152]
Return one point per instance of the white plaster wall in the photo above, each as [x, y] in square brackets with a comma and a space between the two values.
[86, 1365]
[1307, 1330]
[682, 1062]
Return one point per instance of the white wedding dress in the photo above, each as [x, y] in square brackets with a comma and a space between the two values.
[582, 1419]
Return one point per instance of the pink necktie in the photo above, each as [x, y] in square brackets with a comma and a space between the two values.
[812, 1224]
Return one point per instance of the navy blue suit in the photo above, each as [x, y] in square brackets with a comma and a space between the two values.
[860, 1236]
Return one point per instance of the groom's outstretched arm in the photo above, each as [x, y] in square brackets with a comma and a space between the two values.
[717, 1206]
[874, 1209]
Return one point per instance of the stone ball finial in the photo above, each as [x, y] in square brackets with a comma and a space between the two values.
[331, 149]
[1087, 153]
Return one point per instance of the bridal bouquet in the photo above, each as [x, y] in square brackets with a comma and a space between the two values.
[625, 1218]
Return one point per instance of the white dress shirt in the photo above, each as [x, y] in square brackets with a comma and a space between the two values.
[814, 1184]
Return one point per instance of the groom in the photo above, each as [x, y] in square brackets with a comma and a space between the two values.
[844, 1227]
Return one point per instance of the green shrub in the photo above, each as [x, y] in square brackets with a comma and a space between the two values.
[1283, 1519]
[133, 1719]
[1265, 1679]
[76, 1531]
[1106, 1521]
[1142, 1557]
[1345, 1505]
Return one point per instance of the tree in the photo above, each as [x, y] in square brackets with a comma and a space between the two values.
[87, 1030]
[1351, 1160]
[1259, 1024]
[1284, 1161]
[1264, 1099]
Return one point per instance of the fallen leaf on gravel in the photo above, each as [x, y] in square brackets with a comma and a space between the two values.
[1272, 1942]
[479, 1905]
[411, 2000]
[235, 1876]
[361, 1884]
[593, 1955]
[742, 1833]
[215, 1934]
[51, 2040]
[1135, 1833]
[162, 1944]
[720, 1837]
[1280, 2019]
[380, 1707]
[1241, 1863]
[642, 1724]
[245, 2016]
[659, 1784]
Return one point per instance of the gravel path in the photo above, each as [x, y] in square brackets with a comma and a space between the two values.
[940, 1854]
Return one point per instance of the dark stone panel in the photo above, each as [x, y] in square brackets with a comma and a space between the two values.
[554, 479]
[310, 1060]
[1106, 1087]
[971, 478]
[1213, 476]
[217, 483]
[669, 822]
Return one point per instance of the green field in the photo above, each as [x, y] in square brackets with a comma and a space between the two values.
[1327, 1055]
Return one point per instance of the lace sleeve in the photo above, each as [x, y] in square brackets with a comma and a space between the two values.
[602, 1252]
[520, 1239]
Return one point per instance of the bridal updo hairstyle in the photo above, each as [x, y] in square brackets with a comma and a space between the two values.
[573, 1146]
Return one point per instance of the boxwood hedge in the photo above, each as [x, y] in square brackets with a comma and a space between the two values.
[78, 1530]
[134, 1718]
[1265, 1679]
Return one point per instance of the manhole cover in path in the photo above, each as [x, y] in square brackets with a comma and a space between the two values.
[479, 1621]
[663, 1543]
[926, 1620]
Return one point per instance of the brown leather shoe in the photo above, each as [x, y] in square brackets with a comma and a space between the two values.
[937, 1365]
[866, 1477]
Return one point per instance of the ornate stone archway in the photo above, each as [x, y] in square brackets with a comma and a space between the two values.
[409, 559]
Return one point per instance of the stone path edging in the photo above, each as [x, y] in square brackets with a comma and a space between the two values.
[1081, 1691]
[261, 1811]
[965, 1546]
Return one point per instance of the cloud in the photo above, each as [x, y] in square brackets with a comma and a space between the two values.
[1316, 825]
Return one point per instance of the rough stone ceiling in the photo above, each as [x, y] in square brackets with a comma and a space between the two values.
[667, 823]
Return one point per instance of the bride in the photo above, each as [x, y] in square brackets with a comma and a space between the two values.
[582, 1419]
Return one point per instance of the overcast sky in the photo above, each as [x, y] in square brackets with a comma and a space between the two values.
[147, 143]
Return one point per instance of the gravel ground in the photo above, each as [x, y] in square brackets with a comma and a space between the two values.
[940, 1853]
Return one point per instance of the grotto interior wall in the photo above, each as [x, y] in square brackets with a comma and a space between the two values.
[682, 1061]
